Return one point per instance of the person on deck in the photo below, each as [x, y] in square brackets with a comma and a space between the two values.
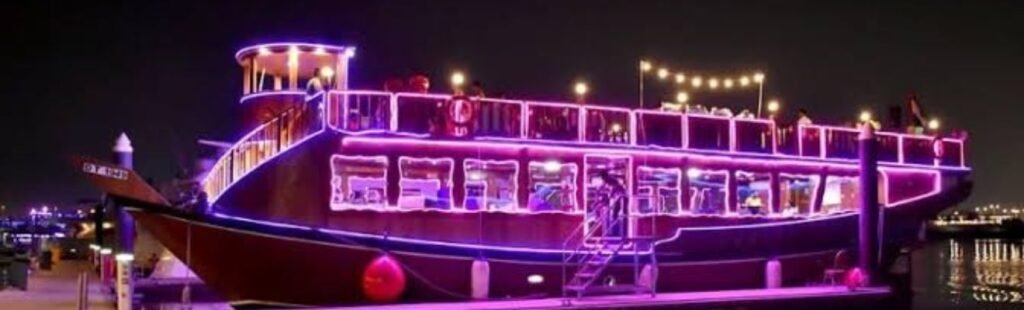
[315, 84]
[802, 118]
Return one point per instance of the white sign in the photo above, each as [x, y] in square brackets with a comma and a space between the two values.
[104, 171]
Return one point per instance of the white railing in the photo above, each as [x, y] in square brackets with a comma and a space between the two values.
[375, 111]
[264, 143]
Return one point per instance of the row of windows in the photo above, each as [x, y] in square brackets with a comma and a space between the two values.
[360, 182]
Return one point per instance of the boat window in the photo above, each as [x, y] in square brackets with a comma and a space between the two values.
[598, 192]
[809, 143]
[418, 114]
[367, 112]
[919, 150]
[358, 182]
[888, 147]
[904, 186]
[754, 136]
[491, 185]
[707, 190]
[554, 122]
[426, 183]
[753, 193]
[660, 129]
[841, 143]
[840, 194]
[607, 126]
[552, 186]
[657, 190]
[499, 118]
[797, 193]
[707, 132]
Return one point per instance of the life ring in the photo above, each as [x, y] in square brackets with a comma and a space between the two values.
[938, 148]
[461, 112]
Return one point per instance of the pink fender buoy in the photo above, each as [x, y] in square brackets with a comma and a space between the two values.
[856, 278]
[383, 279]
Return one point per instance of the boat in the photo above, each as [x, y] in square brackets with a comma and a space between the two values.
[478, 197]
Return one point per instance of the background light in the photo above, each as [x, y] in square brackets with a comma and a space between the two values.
[552, 166]
[713, 83]
[744, 81]
[645, 65]
[758, 77]
[933, 124]
[682, 97]
[535, 279]
[696, 81]
[662, 73]
[773, 106]
[458, 79]
[727, 83]
[581, 88]
[865, 116]
[326, 72]
[680, 78]
[616, 127]
[693, 173]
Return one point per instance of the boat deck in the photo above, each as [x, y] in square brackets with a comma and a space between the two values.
[782, 298]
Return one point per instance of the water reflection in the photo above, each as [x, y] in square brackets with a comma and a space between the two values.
[972, 273]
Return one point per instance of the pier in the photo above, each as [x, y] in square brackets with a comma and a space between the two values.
[813, 297]
[57, 289]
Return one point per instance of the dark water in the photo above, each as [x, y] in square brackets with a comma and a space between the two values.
[970, 274]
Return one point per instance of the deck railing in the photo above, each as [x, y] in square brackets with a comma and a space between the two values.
[504, 119]
[415, 114]
[263, 143]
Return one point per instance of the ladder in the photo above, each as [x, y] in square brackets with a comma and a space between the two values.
[592, 251]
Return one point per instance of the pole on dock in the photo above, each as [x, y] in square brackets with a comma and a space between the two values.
[868, 229]
[123, 157]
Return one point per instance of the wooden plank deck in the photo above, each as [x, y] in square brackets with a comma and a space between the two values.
[662, 300]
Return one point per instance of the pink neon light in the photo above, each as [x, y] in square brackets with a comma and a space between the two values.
[288, 45]
[936, 188]
[779, 160]
[270, 93]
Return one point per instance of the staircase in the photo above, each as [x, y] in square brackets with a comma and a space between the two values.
[593, 250]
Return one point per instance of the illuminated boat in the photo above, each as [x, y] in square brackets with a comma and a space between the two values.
[323, 183]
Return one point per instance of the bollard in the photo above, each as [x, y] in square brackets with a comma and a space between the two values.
[480, 279]
[83, 291]
[773, 274]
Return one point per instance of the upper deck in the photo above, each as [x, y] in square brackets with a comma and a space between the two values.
[502, 120]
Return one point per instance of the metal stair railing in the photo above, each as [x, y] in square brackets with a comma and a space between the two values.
[583, 256]
[263, 143]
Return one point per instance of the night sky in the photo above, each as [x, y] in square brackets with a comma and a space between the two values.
[82, 71]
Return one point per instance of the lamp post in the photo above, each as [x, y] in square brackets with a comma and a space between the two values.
[759, 79]
[644, 67]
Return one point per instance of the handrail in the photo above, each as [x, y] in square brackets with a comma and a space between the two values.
[263, 143]
[728, 123]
